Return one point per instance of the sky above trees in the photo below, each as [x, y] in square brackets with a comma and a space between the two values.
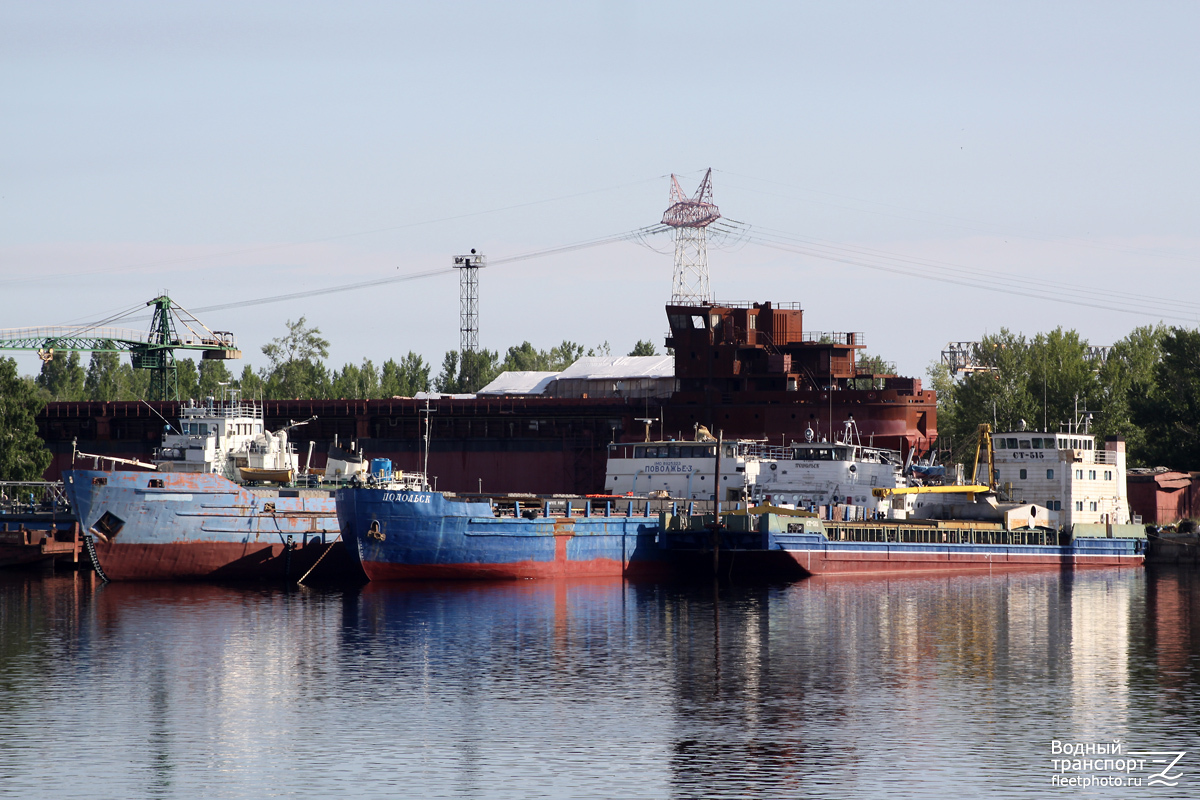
[1024, 153]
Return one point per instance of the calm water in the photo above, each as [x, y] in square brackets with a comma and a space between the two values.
[948, 686]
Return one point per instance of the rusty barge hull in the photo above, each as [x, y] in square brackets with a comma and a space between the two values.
[37, 538]
[747, 370]
[545, 445]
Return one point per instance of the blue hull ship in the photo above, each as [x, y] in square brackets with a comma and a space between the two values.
[183, 526]
[414, 535]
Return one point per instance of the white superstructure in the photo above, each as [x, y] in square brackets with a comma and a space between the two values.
[227, 438]
[1065, 472]
[684, 470]
[802, 474]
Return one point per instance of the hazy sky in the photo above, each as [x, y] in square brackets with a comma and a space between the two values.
[1026, 153]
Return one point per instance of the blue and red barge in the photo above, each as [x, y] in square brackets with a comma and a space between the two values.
[414, 535]
[190, 526]
[805, 546]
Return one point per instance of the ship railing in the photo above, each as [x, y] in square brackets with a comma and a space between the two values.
[534, 507]
[935, 533]
[747, 304]
[854, 338]
[768, 452]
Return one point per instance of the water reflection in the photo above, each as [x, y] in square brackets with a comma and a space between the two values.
[835, 687]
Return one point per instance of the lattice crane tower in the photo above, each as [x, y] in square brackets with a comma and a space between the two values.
[468, 299]
[690, 218]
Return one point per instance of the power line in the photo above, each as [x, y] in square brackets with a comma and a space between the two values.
[411, 276]
[947, 220]
[1039, 285]
[966, 281]
[335, 237]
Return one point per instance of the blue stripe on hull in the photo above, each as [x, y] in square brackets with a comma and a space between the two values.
[423, 534]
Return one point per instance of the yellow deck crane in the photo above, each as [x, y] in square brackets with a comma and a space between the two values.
[983, 441]
[172, 328]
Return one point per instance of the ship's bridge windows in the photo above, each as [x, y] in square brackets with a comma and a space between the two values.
[814, 454]
[1024, 444]
[1037, 444]
[839, 454]
[697, 320]
[999, 444]
[1012, 444]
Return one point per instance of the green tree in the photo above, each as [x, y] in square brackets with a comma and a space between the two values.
[871, 365]
[566, 354]
[1169, 410]
[213, 373]
[524, 358]
[405, 379]
[467, 372]
[135, 383]
[23, 455]
[297, 368]
[62, 377]
[189, 379]
[447, 379]
[643, 348]
[942, 382]
[1062, 377]
[352, 381]
[104, 380]
[250, 384]
[1129, 371]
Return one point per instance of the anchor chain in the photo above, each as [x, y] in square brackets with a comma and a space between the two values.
[90, 545]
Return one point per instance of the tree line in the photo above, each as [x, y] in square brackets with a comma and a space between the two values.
[1146, 389]
[296, 368]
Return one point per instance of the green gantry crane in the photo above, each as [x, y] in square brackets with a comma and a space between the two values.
[172, 328]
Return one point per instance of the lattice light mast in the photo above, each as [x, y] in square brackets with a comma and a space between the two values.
[689, 218]
[468, 299]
